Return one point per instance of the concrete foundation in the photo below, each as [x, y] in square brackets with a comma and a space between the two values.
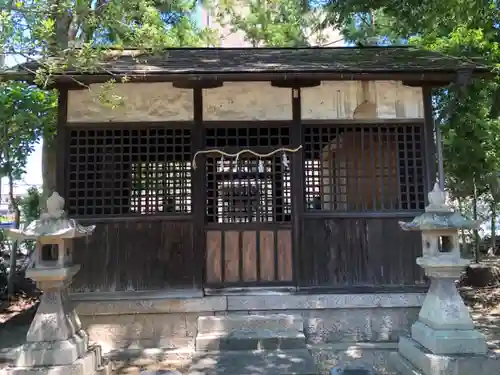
[162, 322]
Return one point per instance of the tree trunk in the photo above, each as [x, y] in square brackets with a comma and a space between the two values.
[462, 231]
[474, 214]
[49, 161]
[11, 288]
[63, 35]
[493, 226]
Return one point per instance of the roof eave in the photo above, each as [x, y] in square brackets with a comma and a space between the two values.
[429, 76]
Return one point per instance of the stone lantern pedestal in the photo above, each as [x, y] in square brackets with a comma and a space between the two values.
[443, 340]
[55, 344]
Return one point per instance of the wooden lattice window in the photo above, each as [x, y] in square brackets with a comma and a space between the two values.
[364, 167]
[241, 191]
[129, 171]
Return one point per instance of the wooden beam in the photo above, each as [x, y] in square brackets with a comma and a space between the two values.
[296, 83]
[68, 86]
[197, 84]
[410, 83]
[430, 77]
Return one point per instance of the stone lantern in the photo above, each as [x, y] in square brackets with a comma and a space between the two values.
[443, 340]
[56, 342]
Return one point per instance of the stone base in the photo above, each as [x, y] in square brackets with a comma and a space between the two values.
[449, 341]
[414, 359]
[141, 323]
[53, 353]
[90, 363]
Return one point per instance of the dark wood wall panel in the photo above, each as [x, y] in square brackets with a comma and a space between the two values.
[240, 257]
[341, 252]
[136, 255]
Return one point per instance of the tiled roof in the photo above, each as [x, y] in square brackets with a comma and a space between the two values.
[282, 60]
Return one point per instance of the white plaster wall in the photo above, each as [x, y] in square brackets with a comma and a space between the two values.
[141, 102]
[247, 101]
[339, 100]
[250, 101]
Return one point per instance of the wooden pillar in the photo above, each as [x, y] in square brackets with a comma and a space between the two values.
[55, 153]
[297, 179]
[430, 156]
[198, 189]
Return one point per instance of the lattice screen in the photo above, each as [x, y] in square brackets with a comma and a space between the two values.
[364, 167]
[129, 171]
[237, 191]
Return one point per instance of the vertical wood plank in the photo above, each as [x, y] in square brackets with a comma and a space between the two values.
[213, 266]
[231, 256]
[266, 255]
[249, 256]
[285, 264]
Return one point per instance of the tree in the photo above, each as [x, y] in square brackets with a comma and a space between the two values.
[405, 18]
[269, 23]
[30, 205]
[58, 33]
[27, 115]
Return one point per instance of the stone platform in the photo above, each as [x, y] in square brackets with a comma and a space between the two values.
[138, 320]
[414, 359]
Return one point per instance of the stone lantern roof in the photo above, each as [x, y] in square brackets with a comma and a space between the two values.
[438, 216]
[53, 223]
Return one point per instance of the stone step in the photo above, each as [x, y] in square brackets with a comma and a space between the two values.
[288, 362]
[275, 322]
[250, 340]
